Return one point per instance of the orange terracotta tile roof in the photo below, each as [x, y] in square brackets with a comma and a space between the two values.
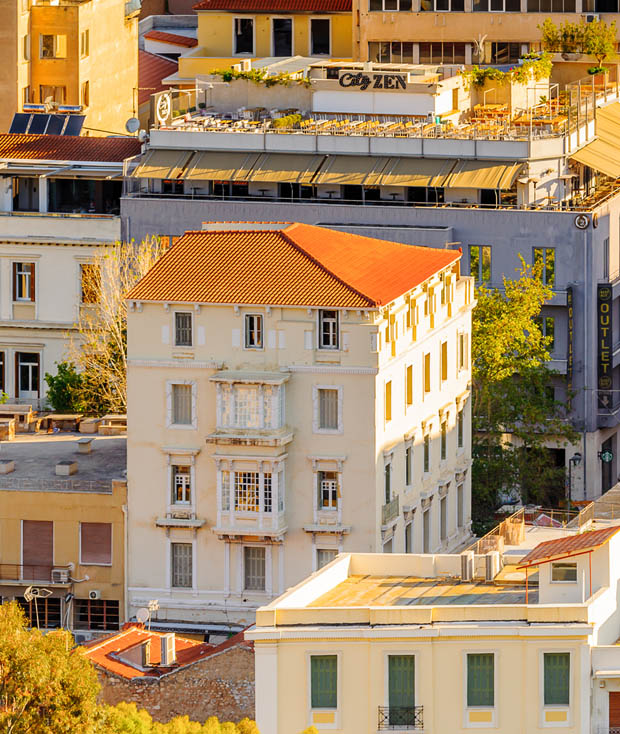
[67, 148]
[151, 70]
[572, 545]
[277, 6]
[173, 38]
[298, 265]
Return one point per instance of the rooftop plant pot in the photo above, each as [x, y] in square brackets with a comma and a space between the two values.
[571, 56]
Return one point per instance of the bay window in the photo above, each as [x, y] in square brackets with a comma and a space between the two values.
[250, 405]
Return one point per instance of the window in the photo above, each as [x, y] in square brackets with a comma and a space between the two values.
[401, 690]
[387, 479]
[409, 385]
[28, 364]
[328, 488]
[544, 257]
[328, 409]
[427, 453]
[246, 491]
[182, 329]
[26, 95]
[181, 485]
[444, 361]
[26, 47]
[427, 373]
[462, 350]
[324, 556]
[390, 52]
[480, 263]
[426, 195]
[282, 36]
[328, 330]
[254, 568]
[388, 401]
[42, 613]
[23, 282]
[389, 6]
[564, 572]
[443, 6]
[320, 35]
[606, 258]
[546, 324]
[443, 518]
[499, 53]
[426, 531]
[442, 53]
[181, 565]
[460, 421]
[50, 93]
[324, 681]
[444, 441]
[408, 462]
[90, 283]
[243, 405]
[84, 43]
[557, 678]
[52, 47]
[243, 35]
[481, 679]
[249, 488]
[182, 405]
[459, 506]
[96, 614]
[497, 6]
[85, 94]
[96, 543]
[553, 6]
[409, 537]
[253, 331]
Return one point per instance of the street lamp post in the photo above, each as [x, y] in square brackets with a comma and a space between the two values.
[575, 459]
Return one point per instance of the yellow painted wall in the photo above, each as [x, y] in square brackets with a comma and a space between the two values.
[55, 20]
[10, 15]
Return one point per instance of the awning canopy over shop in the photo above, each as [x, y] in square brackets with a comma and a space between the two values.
[221, 166]
[603, 154]
[483, 175]
[416, 172]
[281, 168]
[352, 170]
[162, 164]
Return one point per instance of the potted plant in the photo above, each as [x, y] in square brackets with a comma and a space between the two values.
[600, 42]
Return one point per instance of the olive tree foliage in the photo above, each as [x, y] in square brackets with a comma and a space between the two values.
[99, 346]
[514, 413]
[127, 718]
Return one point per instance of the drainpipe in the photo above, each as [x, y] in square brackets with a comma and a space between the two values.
[125, 570]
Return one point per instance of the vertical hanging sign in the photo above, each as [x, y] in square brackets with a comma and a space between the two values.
[569, 361]
[604, 351]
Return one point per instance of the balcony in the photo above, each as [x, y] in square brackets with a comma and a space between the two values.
[33, 573]
[400, 717]
[64, 227]
[237, 524]
[389, 512]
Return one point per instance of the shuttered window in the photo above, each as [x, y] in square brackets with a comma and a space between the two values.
[324, 681]
[37, 548]
[181, 565]
[328, 409]
[96, 543]
[481, 679]
[401, 681]
[182, 405]
[254, 568]
[557, 678]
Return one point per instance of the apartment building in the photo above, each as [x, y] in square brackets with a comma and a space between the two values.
[293, 392]
[520, 638]
[71, 52]
[59, 205]
[62, 534]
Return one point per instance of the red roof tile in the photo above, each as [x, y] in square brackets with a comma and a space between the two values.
[67, 148]
[298, 265]
[173, 38]
[277, 6]
[571, 545]
[151, 70]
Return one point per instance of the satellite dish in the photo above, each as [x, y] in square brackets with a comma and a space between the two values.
[142, 615]
[132, 125]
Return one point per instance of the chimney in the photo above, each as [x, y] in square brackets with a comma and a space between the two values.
[146, 654]
[168, 649]
[467, 565]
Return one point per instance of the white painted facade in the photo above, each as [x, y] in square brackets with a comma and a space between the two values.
[293, 525]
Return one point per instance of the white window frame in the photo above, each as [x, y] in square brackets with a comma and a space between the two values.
[246, 332]
[319, 492]
[55, 37]
[169, 586]
[244, 54]
[271, 34]
[318, 550]
[558, 581]
[108, 565]
[319, 345]
[339, 683]
[174, 328]
[268, 561]
[386, 673]
[172, 487]
[493, 709]
[319, 17]
[278, 417]
[32, 274]
[181, 426]
[541, 691]
[316, 409]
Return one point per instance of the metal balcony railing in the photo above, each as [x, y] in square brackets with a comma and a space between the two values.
[389, 511]
[400, 717]
[20, 572]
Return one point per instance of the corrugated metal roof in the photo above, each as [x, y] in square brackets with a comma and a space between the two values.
[571, 545]
[67, 148]
[298, 265]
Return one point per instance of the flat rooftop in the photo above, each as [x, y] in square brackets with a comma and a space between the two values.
[36, 456]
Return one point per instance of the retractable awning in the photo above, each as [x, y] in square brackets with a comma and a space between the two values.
[220, 166]
[603, 154]
[416, 172]
[352, 170]
[280, 167]
[477, 174]
[162, 164]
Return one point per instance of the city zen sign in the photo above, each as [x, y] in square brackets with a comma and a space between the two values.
[364, 81]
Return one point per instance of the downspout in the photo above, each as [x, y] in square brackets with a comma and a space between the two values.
[124, 508]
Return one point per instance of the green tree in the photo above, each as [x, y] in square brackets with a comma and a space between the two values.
[600, 40]
[596, 39]
[514, 414]
[64, 389]
[45, 686]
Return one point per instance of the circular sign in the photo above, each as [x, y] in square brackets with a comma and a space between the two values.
[581, 221]
[164, 109]
[606, 456]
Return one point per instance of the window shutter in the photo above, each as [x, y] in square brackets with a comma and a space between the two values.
[16, 373]
[271, 339]
[557, 681]
[37, 543]
[201, 336]
[374, 342]
[324, 681]
[32, 285]
[480, 680]
[14, 281]
[281, 340]
[236, 337]
[401, 680]
[165, 334]
[61, 47]
[95, 542]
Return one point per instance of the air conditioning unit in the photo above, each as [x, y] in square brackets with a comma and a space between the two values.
[60, 576]
[591, 17]
[80, 638]
[94, 594]
[467, 565]
[491, 565]
[246, 65]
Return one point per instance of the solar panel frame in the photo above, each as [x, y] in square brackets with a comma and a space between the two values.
[38, 124]
[20, 122]
[56, 124]
[74, 124]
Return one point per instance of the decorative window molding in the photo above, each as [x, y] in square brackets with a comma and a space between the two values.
[316, 409]
[193, 424]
